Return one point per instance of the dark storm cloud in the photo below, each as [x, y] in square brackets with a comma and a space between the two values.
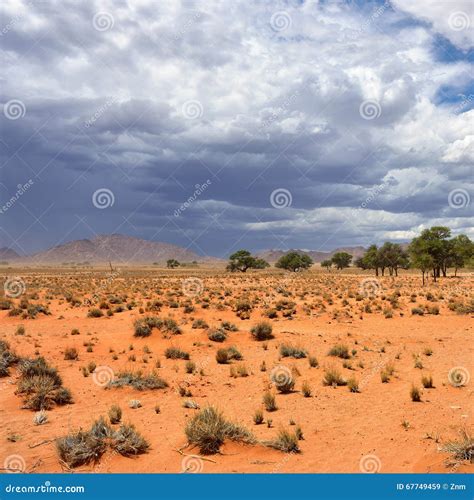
[152, 99]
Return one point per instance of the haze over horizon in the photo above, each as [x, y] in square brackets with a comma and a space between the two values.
[292, 124]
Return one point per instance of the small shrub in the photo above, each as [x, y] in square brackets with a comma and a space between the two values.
[71, 353]
[340, 351]
[462, 449]
[95, 313]
[269, 401]
[313, 362]
[288, 351]
[176, 353]
[285, 441]
[208, 430]
[306, 389]
[115, 414]
[138, 381]
[222, 357]
[417, 311]
[415, 394]
[258, 417]
[332, 377]
[190, 366]
[217, 335]
[427, 382]
[353, 385]
[262, 331]
[134, 404]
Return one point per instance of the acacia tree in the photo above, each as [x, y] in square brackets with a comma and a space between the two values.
[243, 260]
[462, 252]
[435, 243]
[370, 259]
[341, 259]
[392, 256]
[326, 263]
[172, 263]
[294, 261]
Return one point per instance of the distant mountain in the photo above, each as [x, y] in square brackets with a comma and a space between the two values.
[116, 248]
[272, 256]
[7, 254]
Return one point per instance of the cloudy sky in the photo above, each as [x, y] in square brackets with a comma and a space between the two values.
[303, 124]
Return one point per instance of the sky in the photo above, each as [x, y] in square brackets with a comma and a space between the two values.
[219, 125]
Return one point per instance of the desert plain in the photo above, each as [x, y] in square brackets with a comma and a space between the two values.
[382, 336]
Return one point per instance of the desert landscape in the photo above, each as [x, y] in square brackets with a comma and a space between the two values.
[316, 371]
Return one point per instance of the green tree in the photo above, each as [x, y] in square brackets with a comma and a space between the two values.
[435, 243]
[294, 261]
[326, 263]
[370, 259]
[392, 256]
[243, 260]
[462, 252]
[341, 259]
[172, 263]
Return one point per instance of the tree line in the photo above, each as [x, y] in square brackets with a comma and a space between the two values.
[433, 252]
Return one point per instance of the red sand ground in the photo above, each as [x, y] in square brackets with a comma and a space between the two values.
[340, 428]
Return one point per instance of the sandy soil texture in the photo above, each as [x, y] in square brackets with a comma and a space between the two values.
[390, 326]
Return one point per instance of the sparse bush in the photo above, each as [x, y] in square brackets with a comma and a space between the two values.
[95, 313]
[217, 335]
[269, 401]
[258, 417]
[190, 367]
[115, 414]
[306, 389]
[415, 394]
[462, 449]
[71, 354]
[285, 441]
[427, 382]
[176, 353]
[128, 442]
[313, 361]
[353, 385]
[199, 323]
[288, 351]
[208, 429]
[262, 331]
[41, 385]
[332, 377]
[138, 381]
[222, 357]
[340, 351]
